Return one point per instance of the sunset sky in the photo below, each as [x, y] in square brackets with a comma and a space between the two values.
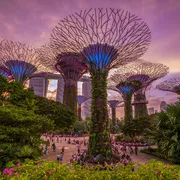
[31, 22]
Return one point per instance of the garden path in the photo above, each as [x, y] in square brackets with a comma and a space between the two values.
[141, 158]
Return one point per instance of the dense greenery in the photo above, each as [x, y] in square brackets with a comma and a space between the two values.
[82, 127]
[99, 139]
[25, 98]
[23, 119]
[63, 117]
[166, 134]
[51, 170]
[138, 127]
[20, 132]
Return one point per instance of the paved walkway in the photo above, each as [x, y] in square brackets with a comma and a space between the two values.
[141, 158]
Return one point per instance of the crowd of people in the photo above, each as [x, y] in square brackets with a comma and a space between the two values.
[123, 150]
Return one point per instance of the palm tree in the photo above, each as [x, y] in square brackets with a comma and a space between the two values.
[167, 132]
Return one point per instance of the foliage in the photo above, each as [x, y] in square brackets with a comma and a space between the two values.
[99, 139]
[21, 97]
[56, 111]
[114, 129]
[52, 170]
[137, 127]
[81, 127]
[167, 132]
[20, 132]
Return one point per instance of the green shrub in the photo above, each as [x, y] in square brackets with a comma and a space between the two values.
[52, 171]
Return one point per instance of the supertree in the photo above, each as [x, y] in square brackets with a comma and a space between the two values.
[155, 71]
[113, 101]
[106, 38]
[113, 104]
[135, 77]
[70, 65]
[81, 99]
[171, 85]
[20, 59]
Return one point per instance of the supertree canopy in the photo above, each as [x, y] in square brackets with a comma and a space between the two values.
[20, 59]
[106, 38]
[134, 78]
[171, 85]
[154, 71]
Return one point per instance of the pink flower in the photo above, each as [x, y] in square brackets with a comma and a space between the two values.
[49, 172]
[10, 174]
[86, 167]
[11, 169]
[16, 173]
[18, 164]
[157, 172]
[5, 171]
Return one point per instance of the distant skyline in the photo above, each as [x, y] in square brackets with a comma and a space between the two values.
[32, 21]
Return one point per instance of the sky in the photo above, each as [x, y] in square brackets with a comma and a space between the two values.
[32, 21]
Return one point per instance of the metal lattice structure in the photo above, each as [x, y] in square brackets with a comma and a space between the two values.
[21, 60]
[106, 39]
[135, 77]
[5, 72]
[171, 85]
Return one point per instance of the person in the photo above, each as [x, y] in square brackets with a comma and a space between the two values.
[130, 149]
[57, 139]
[60, 158]
[54, 147]
[136, 149]
[63, 150]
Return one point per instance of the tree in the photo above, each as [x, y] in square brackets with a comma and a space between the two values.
[56, 111]
[20, 133]
[167, 132]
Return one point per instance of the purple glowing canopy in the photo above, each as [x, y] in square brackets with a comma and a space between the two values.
[20, 70]
[21, 60]
[71, 66]
[113, 103]
[100, 56]
[133, 83]
[81, 99]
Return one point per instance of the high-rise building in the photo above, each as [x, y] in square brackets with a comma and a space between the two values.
[38, 84]
[86, 92]
[151, 110]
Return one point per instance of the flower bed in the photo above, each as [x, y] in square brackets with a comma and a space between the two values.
[53, 170]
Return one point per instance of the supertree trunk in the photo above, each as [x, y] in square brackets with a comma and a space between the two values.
[140, 104]
[79, 112]
[99, 140]
[70, 95]
[128, 109]
[140, 110]
[113, 116]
